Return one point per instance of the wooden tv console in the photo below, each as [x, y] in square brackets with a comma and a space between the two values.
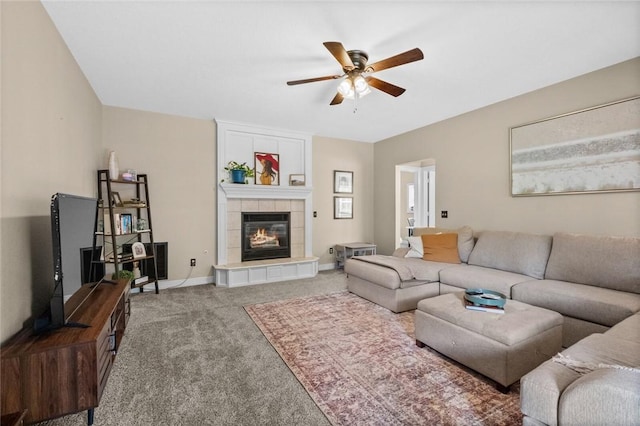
[65, 371]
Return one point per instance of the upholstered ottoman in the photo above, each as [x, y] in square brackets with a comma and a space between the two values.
[503, 347]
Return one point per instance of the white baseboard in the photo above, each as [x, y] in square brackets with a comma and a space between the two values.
[326, 266]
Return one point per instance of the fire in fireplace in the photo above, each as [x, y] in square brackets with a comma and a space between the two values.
[265, 236]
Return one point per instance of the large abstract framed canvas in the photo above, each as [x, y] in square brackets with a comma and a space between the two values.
[592, 150]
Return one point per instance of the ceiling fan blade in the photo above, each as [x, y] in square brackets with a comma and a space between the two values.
[311, 80]
[337, 99]
[400, 59]
[340, 53]
[389, 88]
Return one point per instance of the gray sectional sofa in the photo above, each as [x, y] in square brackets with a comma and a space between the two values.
[602, 388]
[592, 281]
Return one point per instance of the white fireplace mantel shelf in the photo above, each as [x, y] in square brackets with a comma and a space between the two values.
[235, 190]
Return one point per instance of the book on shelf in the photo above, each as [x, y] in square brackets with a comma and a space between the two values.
[483, 308]
[141, 280]
[117, 223]
[123, 223]
[125, 256]
[126, 223]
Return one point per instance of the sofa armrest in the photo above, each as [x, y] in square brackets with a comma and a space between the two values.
[541, 390]
[604, 396]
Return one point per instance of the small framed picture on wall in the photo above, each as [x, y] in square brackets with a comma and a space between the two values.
[343, 207]
[342, 182]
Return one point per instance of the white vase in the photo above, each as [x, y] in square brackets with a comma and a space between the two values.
[114, 168]
[136, 270]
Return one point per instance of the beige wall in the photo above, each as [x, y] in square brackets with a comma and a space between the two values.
[471, 153]
[178, 155]
[336, 154]
[51, 122]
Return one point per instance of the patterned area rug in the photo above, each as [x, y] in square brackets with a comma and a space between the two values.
[360, 364]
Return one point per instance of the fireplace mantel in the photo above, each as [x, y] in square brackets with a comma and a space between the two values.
[235, 190]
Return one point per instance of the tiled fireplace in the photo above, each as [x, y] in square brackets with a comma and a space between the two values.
[236, 208]
[236, 200]
[239, 142]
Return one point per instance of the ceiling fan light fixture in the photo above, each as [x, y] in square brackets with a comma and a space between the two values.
[345, 88]
[351, 86]
[361, 86]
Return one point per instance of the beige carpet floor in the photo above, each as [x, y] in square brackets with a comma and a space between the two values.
[360, 364]
[193, 356]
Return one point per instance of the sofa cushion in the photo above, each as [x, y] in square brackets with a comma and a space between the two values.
[380, 275]
[605, 349]
[392, 272]
[594, 304]
[610, 262]
[628, 329]
[470, 276]
[441, 247]
[465, 238]
[517, 252]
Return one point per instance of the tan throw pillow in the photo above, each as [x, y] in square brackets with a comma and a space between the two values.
[441, 247]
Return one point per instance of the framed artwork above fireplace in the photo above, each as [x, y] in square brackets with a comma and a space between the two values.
[267, 168]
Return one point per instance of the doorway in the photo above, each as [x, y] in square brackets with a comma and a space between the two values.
[415, 197]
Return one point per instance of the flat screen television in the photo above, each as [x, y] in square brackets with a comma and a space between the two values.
[72, 230]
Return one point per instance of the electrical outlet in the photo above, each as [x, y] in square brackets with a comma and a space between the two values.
[444, 214]
[193, 262]
[330, 250]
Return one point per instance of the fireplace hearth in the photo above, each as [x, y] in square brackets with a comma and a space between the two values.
[266, 235]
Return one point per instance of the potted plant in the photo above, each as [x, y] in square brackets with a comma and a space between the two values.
[123, 273]
[239, 172]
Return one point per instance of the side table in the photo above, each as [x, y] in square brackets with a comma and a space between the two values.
[345, 251]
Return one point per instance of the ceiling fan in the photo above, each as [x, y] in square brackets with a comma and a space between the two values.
[354, 66]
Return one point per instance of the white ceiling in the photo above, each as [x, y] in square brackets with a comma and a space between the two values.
[231, 60]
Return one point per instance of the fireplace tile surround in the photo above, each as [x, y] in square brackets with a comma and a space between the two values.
[236, 207]
[233, 272]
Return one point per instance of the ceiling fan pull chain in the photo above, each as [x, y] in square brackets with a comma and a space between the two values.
[355, 101]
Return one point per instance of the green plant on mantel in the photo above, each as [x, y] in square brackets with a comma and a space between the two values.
[234, 165]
